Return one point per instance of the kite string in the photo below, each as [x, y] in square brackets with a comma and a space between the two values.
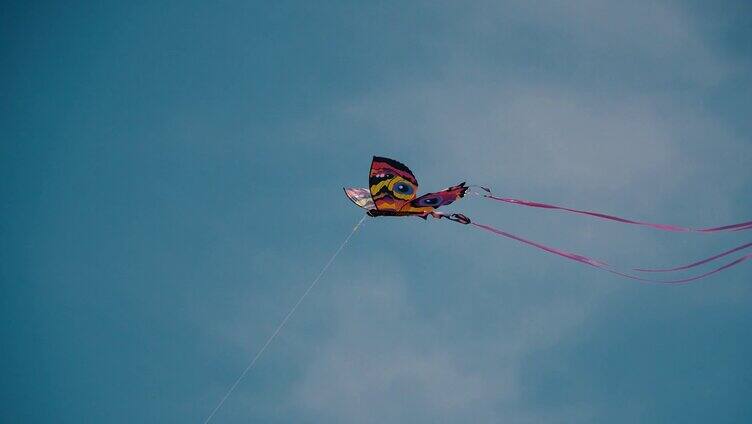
[284, 321]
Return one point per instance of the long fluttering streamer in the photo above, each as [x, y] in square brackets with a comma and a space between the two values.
[665, 227]
[603, 265]
[698, 263]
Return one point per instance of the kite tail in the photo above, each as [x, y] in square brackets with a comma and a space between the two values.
[698, 263]
[606, 267]
[665, 227]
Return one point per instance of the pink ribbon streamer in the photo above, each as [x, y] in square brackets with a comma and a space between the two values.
[604, 266]
[698, 263]
[665, 227]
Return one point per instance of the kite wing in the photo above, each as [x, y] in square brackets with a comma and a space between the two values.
[429, 202]
[392, 185]
[361, 197]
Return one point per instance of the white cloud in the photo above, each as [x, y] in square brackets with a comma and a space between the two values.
[544, 136]
[386, 362]
[657, 36]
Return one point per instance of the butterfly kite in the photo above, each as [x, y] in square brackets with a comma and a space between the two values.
[393, 191]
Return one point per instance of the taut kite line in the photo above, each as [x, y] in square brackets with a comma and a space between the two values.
[283, 322]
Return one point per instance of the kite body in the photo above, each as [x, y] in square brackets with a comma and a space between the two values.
[393, 191]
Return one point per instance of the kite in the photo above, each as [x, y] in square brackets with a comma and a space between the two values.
[393, 191]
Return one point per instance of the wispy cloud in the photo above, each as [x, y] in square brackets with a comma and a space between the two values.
[387, 362]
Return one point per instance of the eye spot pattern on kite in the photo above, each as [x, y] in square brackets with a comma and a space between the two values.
[403, 188]
[434, 201]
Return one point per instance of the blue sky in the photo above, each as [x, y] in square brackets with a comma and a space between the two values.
[172, 177]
